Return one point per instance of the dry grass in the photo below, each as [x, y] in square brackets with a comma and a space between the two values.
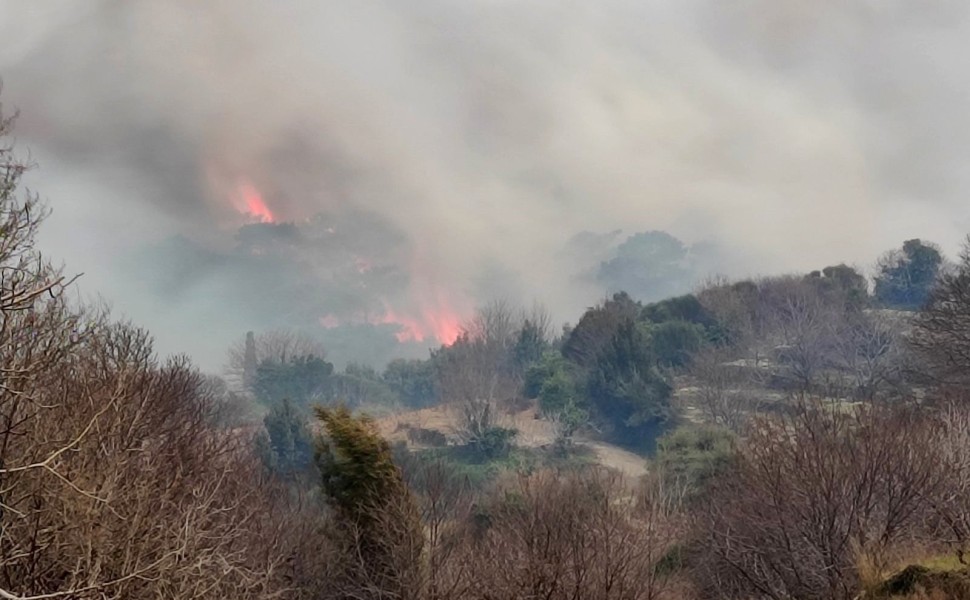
[534, 432]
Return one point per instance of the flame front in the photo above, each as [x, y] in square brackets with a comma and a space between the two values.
[431, 323]
[251, 202]
[437, 320]
[230, 186]
[427, 313]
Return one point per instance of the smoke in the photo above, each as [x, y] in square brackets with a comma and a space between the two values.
[429, 155]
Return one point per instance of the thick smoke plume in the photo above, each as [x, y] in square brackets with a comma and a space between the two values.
[372, 170]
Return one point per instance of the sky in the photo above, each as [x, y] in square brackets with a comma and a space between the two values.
[420, 157]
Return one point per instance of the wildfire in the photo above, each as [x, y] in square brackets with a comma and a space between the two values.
[410, 330]
[230, 186]
[251, 202]
[434, 322]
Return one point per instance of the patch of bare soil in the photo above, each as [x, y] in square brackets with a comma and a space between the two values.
[533, 431]
[632, 465]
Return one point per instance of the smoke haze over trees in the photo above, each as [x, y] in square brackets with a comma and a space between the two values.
[801, 438]
[455, 149]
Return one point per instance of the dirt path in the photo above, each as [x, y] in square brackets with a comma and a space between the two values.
[624, 461]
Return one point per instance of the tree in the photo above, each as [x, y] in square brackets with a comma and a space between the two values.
[597, 327]
[680, 308]
[359, 385]
[727, 392]
[842, 280]
[649, 265]
[276, 346]
[674, 343]
[870, 351]
[801, 323]
[906, 277]
[377, 514]
[477, 374]
[810, 495]
[118, 477]
[734, 307]
[625, 388]
[941, 333]
[412, 380]
[573, 536]
[950, 505]
[529, 345]
[301, 379]
[562, 403]
[691, 457]
[287, 448]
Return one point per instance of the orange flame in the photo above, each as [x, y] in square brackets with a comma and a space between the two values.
[436, 313]
[428, 313]
[251, 202]
[441, 326]
[435, 319]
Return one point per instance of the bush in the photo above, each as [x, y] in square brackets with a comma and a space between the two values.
[690, 457]
[378, 519]
[675, 342]
[907, 276]
[427, 437]
[777, 524]
[681, 308]
[302, 379]
[625, 390]
[287, 447]
[495, 443]
[412, 381]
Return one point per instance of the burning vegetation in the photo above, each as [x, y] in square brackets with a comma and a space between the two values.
[396, 418]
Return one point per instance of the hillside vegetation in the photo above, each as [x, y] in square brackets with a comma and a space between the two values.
[784, 437]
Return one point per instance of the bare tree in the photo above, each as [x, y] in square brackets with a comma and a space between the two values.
[540, 318]
[726, 390]
[735, 308]
[446, 505]
[950, 506]
[941, 334]
[801, 324]
[812, 493]
[476, 374]
[572, 536]
[870, 350]
[114, 482]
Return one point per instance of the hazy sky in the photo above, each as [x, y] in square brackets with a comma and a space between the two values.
[464, 142]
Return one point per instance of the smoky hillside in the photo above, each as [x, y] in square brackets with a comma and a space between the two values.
[372, 174]
[484, 300]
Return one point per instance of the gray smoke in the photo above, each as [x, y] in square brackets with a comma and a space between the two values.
[467, 146]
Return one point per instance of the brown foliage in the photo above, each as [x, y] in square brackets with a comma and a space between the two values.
[578, 535]
[113, 481]
[950, 506]
[810, 493]
[116, 486]
[942, 329]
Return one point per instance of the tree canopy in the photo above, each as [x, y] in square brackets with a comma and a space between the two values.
[906, 276]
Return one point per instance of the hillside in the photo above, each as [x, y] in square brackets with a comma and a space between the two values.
[533, 432]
